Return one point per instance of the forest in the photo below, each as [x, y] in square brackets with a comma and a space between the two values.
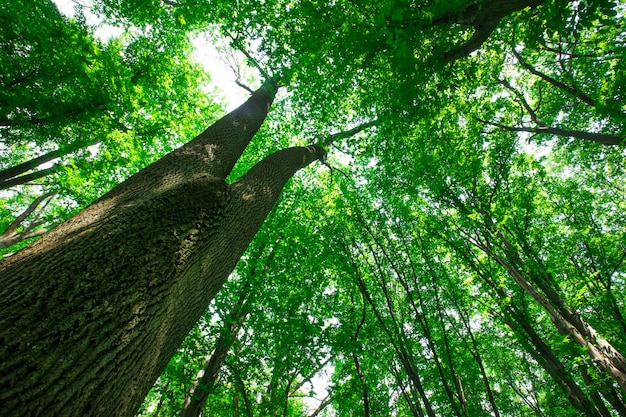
[420, 210]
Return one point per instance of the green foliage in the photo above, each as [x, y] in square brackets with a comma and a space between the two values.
[408, 275]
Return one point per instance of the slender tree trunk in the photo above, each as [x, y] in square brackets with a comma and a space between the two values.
[11, 235]
[568, 322]
[91, 313]
[519, 322]
[419, 316]
[26, 178]
[205, 382]
[12, 172]
[365, 395]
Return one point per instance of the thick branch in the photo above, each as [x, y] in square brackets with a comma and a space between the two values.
[24, 179]
[238, 45]
[484, 17]
[543, 127]
[325, 402]
[603, 138]
[349, 133]
[480, 36]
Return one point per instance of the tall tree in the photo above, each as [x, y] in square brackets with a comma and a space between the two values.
[92, 312]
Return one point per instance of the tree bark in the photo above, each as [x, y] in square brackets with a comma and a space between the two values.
[91, 313]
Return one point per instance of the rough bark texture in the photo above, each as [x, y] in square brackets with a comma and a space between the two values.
[91, 313]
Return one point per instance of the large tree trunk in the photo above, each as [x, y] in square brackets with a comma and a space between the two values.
[91, 313]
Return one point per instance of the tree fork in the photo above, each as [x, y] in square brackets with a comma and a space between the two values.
[91, 313]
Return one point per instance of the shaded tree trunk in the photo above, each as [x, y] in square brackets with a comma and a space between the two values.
[91, 313]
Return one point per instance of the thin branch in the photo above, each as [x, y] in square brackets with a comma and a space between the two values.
[242, 85]
[10, 236]
[558, 84]
[239, 46]
[325, 402]
[603, 138]
[522, 100]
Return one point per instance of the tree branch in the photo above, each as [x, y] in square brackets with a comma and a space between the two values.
[522, 100]
[10, 237]
[30, 177]
[348, 133]
[484, 16]
[603, 138]
[33, 163]
[237, 44]
[562, 86]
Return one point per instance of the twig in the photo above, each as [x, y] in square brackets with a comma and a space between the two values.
[238, 45]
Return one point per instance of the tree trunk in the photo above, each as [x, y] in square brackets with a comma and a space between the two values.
[12, 172]
[91, 313]
[11, 236]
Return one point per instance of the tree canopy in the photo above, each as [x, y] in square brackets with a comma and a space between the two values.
[461, 253]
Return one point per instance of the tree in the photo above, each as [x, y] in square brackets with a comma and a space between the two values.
[92, 312]
[437, 264]
[79, 114]
[11, 236]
